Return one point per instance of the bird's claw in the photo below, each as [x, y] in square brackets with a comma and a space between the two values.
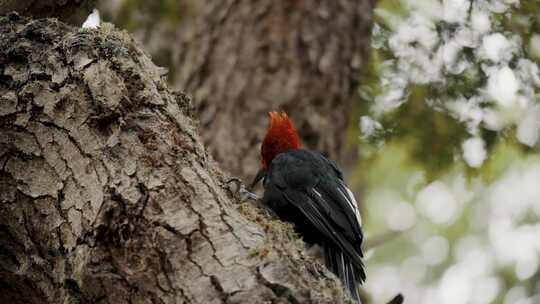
[239, 190]
[247, 195]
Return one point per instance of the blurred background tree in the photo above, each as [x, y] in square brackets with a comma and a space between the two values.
[242, 59]
[155, 24]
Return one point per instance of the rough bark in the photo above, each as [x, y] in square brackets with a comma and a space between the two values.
[242, 59]
[107, 194]
[71, 11]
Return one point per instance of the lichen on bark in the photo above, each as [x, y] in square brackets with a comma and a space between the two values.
[107, 194]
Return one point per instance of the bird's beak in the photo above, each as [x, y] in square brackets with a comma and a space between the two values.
[257, 179]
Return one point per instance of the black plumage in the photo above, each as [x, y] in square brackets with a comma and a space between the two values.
[306, 189]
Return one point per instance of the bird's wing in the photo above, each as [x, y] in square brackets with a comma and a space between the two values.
[332, 223]
[343, 193]
[334, 191]
[314, 185]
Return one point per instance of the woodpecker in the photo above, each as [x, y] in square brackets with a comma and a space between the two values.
[308, 190]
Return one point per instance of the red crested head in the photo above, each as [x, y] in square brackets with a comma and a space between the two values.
[281, 136]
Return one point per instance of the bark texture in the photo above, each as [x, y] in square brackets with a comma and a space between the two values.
[107, 194]
[242, 59]
[71, 11]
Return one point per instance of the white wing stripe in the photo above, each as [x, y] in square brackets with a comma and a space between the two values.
[316, 192]
[349, 197]
[352, 202]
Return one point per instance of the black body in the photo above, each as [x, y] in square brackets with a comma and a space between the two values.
[307, 190]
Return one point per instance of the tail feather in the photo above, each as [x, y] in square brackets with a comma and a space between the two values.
[342, 266]
[398, 299]
[352, 280]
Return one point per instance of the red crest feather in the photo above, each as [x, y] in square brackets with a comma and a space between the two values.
[281, 136]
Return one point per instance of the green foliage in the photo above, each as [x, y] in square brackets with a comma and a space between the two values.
[420, 143]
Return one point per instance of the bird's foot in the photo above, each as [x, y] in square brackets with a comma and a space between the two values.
[239, 191]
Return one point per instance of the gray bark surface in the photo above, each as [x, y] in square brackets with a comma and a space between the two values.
[107, 194]
[241, 59]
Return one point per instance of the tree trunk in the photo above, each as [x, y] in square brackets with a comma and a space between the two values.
[107, 194]
[242, 59]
